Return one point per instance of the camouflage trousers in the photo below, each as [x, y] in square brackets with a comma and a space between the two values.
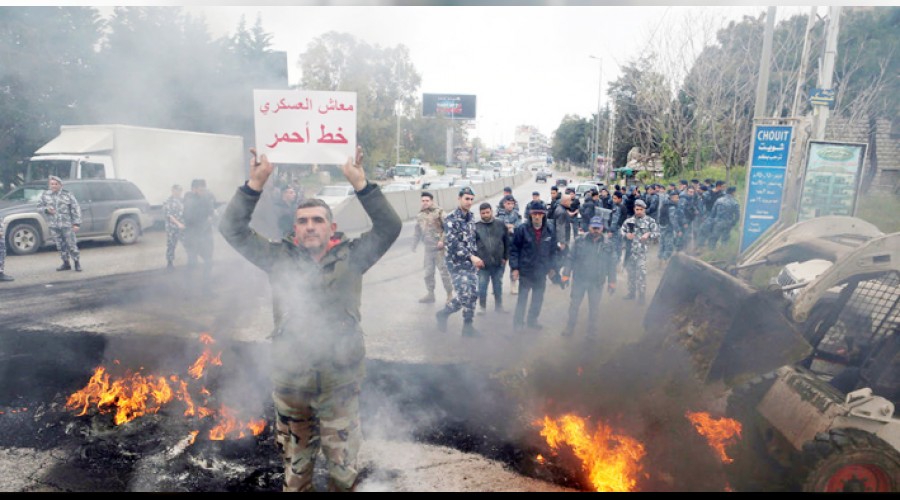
[637, 273]
[719, 231]
[668, 243]
[66, 243]
[173, 236]
[465, 284]
[435, 259]
[317, 418]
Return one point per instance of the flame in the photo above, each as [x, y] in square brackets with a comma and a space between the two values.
[134, 395]
[612, 461]
[718, 432]
[228, 424]
[196, 370]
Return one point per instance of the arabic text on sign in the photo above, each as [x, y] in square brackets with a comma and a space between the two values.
[305, 104]
[296, 138]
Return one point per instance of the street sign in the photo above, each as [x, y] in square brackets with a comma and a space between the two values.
[822, 97]
[765, 180]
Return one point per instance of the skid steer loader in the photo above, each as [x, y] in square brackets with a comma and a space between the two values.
[809, 364]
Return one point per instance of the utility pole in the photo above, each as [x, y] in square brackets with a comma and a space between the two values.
[397, 110]
[449, 152]
[826, 71]
[596, 137]
[801, 74]
[765, 61]
[610, 153]
[793, 175]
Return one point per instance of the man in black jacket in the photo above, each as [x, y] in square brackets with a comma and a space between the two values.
[492, 241]
[532, 258]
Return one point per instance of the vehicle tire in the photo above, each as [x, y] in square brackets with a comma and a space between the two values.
[24, 238]
[755, 465]
[849, 460]
[128, 230]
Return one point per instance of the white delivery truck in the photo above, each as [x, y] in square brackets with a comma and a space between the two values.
[415, 174]
[152, 158]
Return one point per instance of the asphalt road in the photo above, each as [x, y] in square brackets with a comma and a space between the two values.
[125, 290]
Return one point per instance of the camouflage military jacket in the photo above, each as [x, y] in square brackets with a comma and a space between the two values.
[317, 327]
[429, 228]
[725, 210]
[173, 208]
[67, 212]
[459, 238]
[639, 226]
[675, 216]
[513, 218]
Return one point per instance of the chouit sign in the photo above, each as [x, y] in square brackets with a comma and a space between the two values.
[765, 180]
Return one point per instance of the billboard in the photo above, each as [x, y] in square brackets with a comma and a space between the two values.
[454, 106]
[831, 179]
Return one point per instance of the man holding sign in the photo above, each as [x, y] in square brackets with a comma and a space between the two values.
[317, 345]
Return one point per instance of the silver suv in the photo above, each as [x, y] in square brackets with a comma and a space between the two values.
[110, 208]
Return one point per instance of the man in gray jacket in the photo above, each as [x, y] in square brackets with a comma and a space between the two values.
[318, 352]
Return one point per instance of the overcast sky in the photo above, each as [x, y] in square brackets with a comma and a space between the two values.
[528, 64]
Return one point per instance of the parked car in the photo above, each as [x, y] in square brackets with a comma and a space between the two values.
[110, 208]
[397, 186]
[438, 184]
[583, 187]
[334, 194]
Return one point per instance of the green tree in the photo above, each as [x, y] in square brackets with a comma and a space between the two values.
[47, 63]
[570, 140]
[159, 66]
[642, 99]
[381, 78]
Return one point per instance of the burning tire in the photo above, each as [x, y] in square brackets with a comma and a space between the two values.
[849, 460]
[756, 465]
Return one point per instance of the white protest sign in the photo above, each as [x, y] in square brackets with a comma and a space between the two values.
[305, 126]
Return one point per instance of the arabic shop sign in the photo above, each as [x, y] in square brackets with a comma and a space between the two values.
[765, 180]
[831, 179]
[305, 126]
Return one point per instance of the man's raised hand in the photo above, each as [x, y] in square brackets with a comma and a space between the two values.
[354, 172]
[260, 170]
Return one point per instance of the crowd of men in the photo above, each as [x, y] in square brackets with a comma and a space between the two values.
[568, 240]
